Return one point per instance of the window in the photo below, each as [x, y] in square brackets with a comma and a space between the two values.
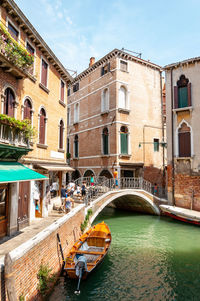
[68, 147]
[62, 91]
[9, 102]
[156, 145]
[13, 31]
[123, 66]
[61, 134]
[105, 100]
[68, 116]
[184, 141]
[68, 92]
[76, 87]
[124, 140]
[76, 113]
[76, 146]
[27, 109]
[31, 50]
[44, 73]
[122, 98]
[42, 126]
[105, 69]
[182, 93]
[105, 141]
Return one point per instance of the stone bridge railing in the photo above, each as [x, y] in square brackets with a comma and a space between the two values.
[98, 189]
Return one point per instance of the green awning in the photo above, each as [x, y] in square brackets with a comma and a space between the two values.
[15, 172]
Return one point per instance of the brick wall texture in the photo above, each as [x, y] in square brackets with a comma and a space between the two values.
[46, 252]
[186, 190]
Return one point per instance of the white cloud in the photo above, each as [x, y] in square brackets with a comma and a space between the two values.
[69, 21]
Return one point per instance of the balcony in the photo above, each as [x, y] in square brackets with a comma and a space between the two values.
[14, 58]
[15, 136]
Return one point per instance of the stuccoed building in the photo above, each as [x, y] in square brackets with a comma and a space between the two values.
[33, 87]
[115, 118]
[183, 135]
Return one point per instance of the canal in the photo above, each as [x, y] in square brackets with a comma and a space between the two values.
[151, 258]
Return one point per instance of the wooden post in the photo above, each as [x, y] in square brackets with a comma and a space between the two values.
[9, 278]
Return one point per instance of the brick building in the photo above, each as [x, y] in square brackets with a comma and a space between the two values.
[183, 151]
[115, 118]
[33, 86]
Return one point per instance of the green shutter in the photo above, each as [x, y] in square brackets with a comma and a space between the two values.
[156, 145]
[124, 143]
[182, 97]
[105, 144]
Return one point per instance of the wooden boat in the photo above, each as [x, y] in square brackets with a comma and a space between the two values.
[181, 214]
[91, 247]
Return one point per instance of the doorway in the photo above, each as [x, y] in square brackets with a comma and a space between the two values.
[23, 204]
[39, 198]
[3, 209]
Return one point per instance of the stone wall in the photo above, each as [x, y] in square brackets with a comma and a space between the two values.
[43, 248]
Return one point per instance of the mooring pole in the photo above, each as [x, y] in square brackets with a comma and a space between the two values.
[9, 278]
[61, 251]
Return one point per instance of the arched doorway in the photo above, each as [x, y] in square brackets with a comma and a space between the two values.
[88, 173]
[105, 173]
[76, 174]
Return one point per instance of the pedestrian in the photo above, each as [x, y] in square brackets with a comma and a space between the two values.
[83, 190]
[116, 177]
[67, 204]
[155, 189]
[63, 196]
[92, 180]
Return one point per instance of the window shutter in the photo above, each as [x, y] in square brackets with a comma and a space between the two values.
[102, 71]
[44, 73]
[62, 91]
[124, 143]
[189, 94]
[184, 144]
[61, 136]
[42, 130]
[175, 97]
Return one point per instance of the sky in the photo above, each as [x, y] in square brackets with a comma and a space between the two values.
[163, 31]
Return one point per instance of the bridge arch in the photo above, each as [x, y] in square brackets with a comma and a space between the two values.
[126, 197]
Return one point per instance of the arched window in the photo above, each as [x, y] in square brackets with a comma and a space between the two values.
[61, 134]
[124, 140]
[105, 100]
[182, 93]
[122, 98]
[9, 102]
[27, 109]
[76, 146]
[105, 141]
[76, 113]
[42, 126]
[184, 141]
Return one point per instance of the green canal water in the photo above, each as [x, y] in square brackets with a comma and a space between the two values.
[150, 258]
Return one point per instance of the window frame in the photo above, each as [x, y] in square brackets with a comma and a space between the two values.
[177, 140]
[102, 143]
[76, 112]
[128, 142]
[156, 145]
[107, 106]
[28, 42]
[8, 20]
[61, 142]
[43, 59]
[76, 141]
[64, 90]
[127, 63]
[45, 126]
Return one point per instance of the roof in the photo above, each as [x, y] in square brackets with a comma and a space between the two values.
[181, 63]
[34, 37]
[116, 53]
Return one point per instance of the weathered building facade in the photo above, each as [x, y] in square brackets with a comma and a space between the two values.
[115, 118]
[33, 87]
[183, 150]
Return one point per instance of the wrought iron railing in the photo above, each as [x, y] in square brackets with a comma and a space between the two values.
[123, 183]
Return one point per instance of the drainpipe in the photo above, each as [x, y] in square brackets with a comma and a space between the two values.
[172, 141]
[163, 132]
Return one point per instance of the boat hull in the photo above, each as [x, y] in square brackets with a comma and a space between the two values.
[92, 246]
[181, 214]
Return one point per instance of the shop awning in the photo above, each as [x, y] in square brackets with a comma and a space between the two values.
[56, 168]
[16, 172]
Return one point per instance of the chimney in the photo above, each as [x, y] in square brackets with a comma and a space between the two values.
[92, 61]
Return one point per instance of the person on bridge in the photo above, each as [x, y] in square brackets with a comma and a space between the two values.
[92, 180]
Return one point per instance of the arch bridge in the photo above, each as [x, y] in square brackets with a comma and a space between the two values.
[134, 194]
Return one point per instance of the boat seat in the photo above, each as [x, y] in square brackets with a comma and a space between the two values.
[89, 252]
